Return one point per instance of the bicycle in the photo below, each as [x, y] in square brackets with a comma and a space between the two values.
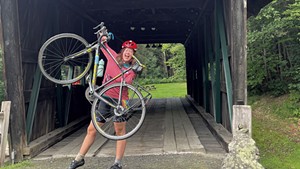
[66, 58]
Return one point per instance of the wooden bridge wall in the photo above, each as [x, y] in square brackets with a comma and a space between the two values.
[206, 41]
[37, 23]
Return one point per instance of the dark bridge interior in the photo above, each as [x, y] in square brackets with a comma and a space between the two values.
[145, 21]
[148, 21]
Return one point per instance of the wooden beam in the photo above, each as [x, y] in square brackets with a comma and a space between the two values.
[204, 63]
[13, 74]
[33, 102]
[145, 16]
[197, 23]
[141, 4]
[4, 122]
[238, 51]
[224, 48]
[217, 77]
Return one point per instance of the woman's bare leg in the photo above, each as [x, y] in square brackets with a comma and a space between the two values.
[89, 139]
[121, 144]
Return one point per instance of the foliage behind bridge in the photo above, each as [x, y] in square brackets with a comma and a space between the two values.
[274, 48]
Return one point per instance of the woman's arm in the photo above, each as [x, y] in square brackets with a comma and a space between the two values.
[128, 77]
[106, 54]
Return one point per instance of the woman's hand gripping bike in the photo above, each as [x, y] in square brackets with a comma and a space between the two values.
[66, 58]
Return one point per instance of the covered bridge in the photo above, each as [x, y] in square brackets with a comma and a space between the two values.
[212, 31]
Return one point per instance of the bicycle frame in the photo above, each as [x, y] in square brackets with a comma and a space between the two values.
[96, 47]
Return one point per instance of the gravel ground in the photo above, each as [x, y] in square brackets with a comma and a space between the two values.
[178, 161]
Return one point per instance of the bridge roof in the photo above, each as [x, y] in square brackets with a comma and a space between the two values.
[150, 21]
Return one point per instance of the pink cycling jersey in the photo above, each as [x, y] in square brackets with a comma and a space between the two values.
[112, 70]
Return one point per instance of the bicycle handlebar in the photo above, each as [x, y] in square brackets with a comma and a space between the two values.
[103, 32]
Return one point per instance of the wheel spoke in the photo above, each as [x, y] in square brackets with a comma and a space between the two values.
[131, 111]
[56, 67]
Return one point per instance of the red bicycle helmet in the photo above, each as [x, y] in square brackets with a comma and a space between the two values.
[129, 44]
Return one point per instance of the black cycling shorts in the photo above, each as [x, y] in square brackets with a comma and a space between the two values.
[105, 112]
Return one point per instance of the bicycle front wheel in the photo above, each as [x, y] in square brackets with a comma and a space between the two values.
[118, 121]
[55, 64]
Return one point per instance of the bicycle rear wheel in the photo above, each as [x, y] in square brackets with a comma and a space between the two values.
[53, 61]
[130, 114]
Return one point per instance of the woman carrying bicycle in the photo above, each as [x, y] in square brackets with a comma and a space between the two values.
[125, 59]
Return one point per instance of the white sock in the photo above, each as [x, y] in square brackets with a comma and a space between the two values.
[117, 161]
[79, 157]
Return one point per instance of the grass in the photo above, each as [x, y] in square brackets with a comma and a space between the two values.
[276, 132]
[168, 90]
[18, 165]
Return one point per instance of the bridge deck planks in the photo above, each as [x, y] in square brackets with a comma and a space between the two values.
[167, 129]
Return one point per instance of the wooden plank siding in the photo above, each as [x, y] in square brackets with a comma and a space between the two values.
[234, 15]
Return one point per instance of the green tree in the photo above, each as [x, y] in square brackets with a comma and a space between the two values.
[273, 47]
[166, 64]
[153, 59]
[175, 59]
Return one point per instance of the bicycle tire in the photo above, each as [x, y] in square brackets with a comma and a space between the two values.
[134, 114]
[52, 58]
